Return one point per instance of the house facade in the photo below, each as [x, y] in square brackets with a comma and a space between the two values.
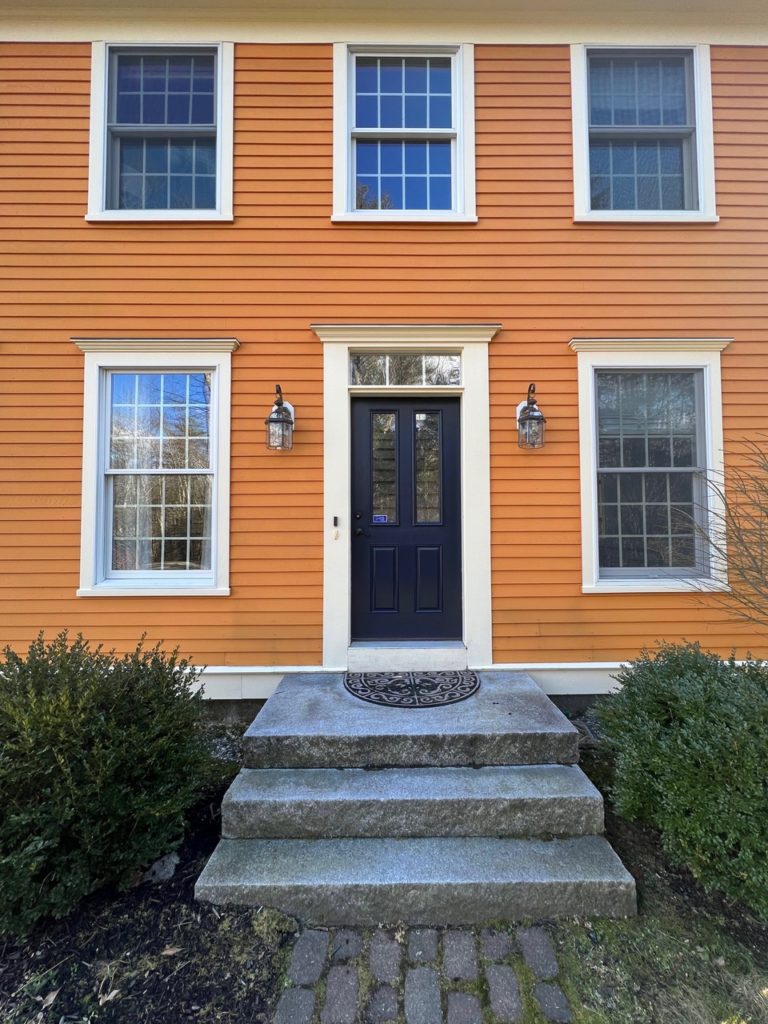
[404, 219]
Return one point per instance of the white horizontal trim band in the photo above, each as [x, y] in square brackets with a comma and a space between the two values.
[156, 344]
[649, 344]
[405, 334]
[258, 682]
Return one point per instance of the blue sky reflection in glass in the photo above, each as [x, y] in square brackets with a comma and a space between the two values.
[175, 92]
[411, 94]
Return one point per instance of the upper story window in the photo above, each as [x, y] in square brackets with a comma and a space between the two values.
[161, 133]
[404, 134]
[642, 134]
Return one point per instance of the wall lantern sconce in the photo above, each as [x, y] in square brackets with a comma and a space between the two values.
[280, 423]
[530, 422]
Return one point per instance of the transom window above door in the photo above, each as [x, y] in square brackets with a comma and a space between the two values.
[405, 369]
[404, 135]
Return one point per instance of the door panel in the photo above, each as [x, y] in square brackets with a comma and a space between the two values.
[406, 516]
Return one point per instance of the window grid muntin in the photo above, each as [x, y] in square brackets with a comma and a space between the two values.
[698, 489]
[403, 134]
[110, 474]
[118, 131]
[685, 133]
[384, 377]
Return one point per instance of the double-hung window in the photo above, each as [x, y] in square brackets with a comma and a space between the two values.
[651, 472]
[404, 137]
[155, 476]
[651, 451]
[642, 133]
[161, 133]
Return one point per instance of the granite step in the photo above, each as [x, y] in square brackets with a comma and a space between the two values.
[311, 721]
[440, 881]
[529, 800]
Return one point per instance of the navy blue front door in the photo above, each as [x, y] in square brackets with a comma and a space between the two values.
[406, 519]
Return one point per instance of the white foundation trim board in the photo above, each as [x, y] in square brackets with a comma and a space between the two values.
[256, 682]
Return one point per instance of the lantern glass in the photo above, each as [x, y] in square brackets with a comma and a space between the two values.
[531, 432]
[279, 433]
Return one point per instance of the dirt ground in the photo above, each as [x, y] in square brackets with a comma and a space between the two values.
[151, 954]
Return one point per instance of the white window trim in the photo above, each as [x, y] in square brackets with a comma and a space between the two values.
[647, 354]
[705, 154]
[97, 159]
[101, 356]
[464, 109]
[471, 341]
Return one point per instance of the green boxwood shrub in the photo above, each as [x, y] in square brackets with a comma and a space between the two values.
[688, 732]
[100, 758]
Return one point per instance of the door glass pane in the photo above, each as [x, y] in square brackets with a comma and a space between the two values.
[427, 467]
[383, 467]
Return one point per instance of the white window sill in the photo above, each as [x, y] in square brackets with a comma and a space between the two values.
[404, 217]
[656, 586]
[152, 216]
[121, 590]
[646, 217]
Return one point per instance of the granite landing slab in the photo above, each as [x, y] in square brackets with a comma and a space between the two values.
[311, 721]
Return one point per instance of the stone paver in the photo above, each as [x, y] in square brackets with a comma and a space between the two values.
[340, 996]
[296, 1006]
[422, 996]
[335, 962]
[538, 952]
[347, 944]
[384, 957]
[459, 956]
[553, 1003]
[422, 945]
[504, 993]
[308, 957]
[496, 945]
[464, 1009]
[382, 1009]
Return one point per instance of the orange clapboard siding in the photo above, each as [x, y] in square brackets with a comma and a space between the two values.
[282, 264]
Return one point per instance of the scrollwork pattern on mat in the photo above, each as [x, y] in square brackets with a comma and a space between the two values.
[412, 689]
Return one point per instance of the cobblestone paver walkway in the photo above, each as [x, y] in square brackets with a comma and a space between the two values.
[423, 976]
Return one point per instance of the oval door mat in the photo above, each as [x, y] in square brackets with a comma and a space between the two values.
[412, 689]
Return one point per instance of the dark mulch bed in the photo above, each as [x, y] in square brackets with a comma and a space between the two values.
[151, 954]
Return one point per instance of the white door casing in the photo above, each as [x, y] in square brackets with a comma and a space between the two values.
[471, 341]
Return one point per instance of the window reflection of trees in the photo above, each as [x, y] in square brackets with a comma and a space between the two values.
[384, 465]
[649, 482]
[427, 474]
[161, 521]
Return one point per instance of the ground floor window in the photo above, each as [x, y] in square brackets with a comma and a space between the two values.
[156, 467]
[651, 461]
[651, 472]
